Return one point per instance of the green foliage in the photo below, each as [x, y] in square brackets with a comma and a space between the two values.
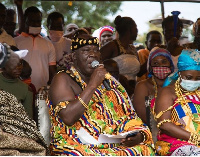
[83, 13]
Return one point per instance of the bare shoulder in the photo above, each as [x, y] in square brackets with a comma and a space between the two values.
[142, 86]
[167, 91]
[166, 97]
[61, 88]
[61, 77]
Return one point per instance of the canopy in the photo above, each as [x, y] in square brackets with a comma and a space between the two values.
[197, 1]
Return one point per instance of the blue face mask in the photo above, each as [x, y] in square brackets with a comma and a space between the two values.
[190, 85]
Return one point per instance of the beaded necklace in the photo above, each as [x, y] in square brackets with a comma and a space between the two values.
[121, 48]
[156, 93]
[97, 96]
[155, 86]
[183, 101]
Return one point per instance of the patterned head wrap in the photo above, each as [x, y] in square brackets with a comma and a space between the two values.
[188, 60]
[156, 51]
[80, 42]
[105, 28]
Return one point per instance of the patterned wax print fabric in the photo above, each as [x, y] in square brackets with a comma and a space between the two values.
[183, 115]
[109, 113]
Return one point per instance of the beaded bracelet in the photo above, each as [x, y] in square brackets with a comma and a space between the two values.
[144, 136]
[194, 139]
[61, 105]
[164, 121]
[83, 103]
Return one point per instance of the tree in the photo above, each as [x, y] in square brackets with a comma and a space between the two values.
[82, 13]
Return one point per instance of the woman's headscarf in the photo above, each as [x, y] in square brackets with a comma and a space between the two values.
[188, 60]
[156, 51]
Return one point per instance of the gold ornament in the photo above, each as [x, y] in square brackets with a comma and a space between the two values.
[107, 76]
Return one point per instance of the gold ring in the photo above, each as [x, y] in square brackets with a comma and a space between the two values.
[107, 76]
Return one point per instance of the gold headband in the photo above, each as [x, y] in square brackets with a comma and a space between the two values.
[80, 42]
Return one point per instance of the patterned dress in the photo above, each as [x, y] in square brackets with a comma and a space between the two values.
[187, 116]
[109, 113]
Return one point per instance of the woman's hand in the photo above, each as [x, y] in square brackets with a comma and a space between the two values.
[133, 140]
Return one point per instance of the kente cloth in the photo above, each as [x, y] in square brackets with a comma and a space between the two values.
[18, 133]
[188, 60]
[186, 116]
[109, 113]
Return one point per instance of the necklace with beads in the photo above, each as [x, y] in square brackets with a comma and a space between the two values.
[155, 95]
[121, 48]
[97, 96]
[181, 98]
[155, 86]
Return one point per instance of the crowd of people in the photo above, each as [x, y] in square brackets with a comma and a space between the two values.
[75, 93]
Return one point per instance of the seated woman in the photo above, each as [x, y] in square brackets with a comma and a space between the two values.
[177, 109]
[160, 65]
[82, 109]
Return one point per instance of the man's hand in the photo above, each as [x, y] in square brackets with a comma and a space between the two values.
[133, 140]
[97, 76]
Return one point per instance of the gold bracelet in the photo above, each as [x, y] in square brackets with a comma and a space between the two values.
[164, 121]
[61, 105]
[144, 136]
[83, 103]
[107, 76]
[193, 138]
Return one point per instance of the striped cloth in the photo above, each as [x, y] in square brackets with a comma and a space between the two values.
[109, 113]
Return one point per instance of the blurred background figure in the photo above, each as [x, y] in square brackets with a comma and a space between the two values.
[4, 36]
[196, 32]
[105, 35]
[10, 82]
[10, 23]
[122, 50]
[153, 39]
[62, 45]
[25, 77]
[112, 67]
[69, 30]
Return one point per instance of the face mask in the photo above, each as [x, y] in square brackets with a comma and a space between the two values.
[161, 72]
[55, 36]
[190, 85]
[34, 30]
